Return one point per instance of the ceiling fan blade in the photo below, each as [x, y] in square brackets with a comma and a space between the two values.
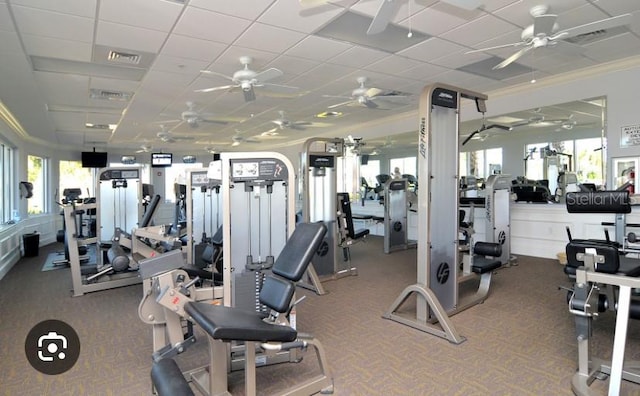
[279, 87]
[495, 47]
[373, 92]
[512, 58]
[312, 3]
[543, 24]
[339, 104]
[602, 24]
[268, 74]
[220, 88]
[370, 104]
[215, 122]
[249, 95]
[216, 74]
[464, 4]
[387, 10]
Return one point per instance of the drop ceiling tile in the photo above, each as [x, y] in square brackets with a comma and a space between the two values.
[494, 5]
[318, 76]
[358, 57]
[318, 48]
[174, 64]
[478, 30]
[459, 59]
[518, 12]
[247, 9]
[10, 42]
[392, 64]
[155, 15]
[229, 61]
[68, 121]
[268, 38]
[199, 23]
[85, 8]
[618, 7]
[292, 66]
[6, 23]
[513, 37]
[423, 72]
[63, 88]
[53, 24]
[57, 48]
[433, 22]
[128, 37]
[433, 48]
[580, 16]
[621, 46]
[290, 14]
[192, 48]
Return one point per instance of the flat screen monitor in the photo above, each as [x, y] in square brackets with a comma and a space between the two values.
[160, 160]
[91, 159]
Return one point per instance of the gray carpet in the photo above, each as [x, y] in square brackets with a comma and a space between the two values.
[521, 341]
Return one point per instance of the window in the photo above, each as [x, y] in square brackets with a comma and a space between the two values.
[407, 165]
[73, 175]
[6, 183]
[481, 163]
[582, 156]
[370, 171]
[36, 175]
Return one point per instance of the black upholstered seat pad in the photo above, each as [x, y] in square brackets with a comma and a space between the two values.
[232, 324]
[483, 264]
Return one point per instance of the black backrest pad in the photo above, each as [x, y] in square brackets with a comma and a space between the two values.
[345, 206]
[598, 202]
[611, 256]
[276, 293]
[299, 250]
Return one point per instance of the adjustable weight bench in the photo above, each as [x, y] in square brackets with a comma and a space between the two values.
[224, 324]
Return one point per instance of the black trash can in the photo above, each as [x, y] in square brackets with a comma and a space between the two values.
[31, 243]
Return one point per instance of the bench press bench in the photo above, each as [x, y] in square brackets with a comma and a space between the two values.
[224, 325]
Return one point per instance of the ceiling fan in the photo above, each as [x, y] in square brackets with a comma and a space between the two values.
[388, 9]
[169, 137]
[194, 118]
[238, 140]
[544, 32]
[145, 148]
[247, 79]
[363, 96]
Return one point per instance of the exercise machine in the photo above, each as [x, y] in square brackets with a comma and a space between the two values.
[347, 235]
[319, 204]
[436, 288]
[204, 210]
[226, 326]
[602, 284]
[396, 218]
[498, 212]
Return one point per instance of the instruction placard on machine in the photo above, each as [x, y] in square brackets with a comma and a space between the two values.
[258, 169]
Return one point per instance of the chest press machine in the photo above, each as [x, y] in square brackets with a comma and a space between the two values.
[437, 283]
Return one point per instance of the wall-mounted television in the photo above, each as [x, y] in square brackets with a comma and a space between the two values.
[92, 159]
[161, 160]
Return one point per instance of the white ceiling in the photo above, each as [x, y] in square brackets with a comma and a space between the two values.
[52, 54]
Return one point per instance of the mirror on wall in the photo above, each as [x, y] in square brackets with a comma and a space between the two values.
[521, 143]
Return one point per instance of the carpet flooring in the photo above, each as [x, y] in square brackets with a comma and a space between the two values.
[521, 341]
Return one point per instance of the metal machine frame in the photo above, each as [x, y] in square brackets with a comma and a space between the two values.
[199, 178]
[437, 263]
[396, 221]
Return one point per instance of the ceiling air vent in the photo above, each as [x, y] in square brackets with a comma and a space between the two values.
[123, 57]
[89, 125]
[587, 38]
[104, 94]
